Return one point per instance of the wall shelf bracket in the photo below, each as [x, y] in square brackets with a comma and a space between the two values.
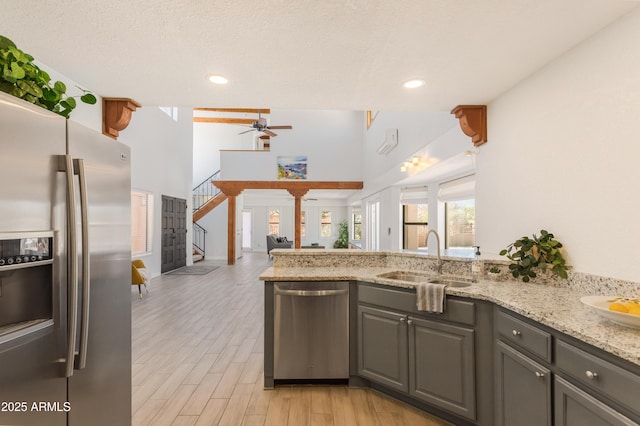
[473, 122]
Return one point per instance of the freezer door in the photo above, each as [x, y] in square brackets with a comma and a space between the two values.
[32, 198]
[100, 392]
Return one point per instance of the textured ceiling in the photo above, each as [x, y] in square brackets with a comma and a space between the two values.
[349, 54]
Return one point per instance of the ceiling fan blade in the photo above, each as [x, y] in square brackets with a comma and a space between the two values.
[269, 132]
[246, 131]
[280, 127]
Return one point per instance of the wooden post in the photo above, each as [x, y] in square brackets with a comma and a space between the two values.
[231, 230]
[298, 194]
[231, 191]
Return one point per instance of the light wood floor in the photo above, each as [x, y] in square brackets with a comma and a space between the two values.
[198, 355]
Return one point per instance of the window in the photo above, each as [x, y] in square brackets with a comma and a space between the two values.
[325, 223]
[458, 197]
[356, 229]
[171, 112]
[141, 220]
[373, 223]
[302, 224]
[460, 217]
[414, 226]
[274, 222]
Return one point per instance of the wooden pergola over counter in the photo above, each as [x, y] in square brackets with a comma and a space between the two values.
[297, 188]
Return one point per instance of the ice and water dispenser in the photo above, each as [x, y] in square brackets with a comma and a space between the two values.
[26, 284]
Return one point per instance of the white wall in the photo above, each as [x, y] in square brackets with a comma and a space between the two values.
[331, 140]
[563, 155]
[209, 139]
[436, 138]
[161, 163]
[161, 155]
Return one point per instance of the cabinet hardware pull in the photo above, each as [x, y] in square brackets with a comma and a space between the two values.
[410, 322]
[539, 375]
[591, 375]
[515, 332]
[403, 319]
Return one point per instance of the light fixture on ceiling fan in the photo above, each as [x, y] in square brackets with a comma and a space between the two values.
[261, 126]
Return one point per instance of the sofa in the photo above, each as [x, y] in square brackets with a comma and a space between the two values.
[273, 241]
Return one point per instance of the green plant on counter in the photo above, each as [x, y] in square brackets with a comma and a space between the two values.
[537, 252]
[343, 235]
[23, 79]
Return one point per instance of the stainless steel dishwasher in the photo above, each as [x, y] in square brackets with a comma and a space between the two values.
[311, 330]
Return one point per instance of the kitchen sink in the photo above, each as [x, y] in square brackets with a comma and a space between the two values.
[406, 276]
[451, 282]
[416, 277]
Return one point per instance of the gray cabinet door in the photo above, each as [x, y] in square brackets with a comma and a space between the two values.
[382, 347]
[574, 407]
[442, 366]
[523, 389]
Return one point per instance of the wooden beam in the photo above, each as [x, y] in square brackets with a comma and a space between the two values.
[297, 188]
[236, 110]
[223, 120]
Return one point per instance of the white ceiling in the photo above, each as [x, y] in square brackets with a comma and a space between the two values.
[348, 54]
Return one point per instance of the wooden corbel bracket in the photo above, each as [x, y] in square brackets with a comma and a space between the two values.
[116, 115]
[473, 122]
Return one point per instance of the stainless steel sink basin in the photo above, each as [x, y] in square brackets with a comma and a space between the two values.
[417, 277]
[451, 282]
[406, 276]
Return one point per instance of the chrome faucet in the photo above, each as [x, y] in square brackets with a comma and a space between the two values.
[439, 261]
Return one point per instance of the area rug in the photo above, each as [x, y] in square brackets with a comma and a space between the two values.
[193, 270]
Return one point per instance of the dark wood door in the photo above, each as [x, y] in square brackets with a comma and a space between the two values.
[174, 233]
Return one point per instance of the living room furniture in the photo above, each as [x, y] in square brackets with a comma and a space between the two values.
[273, 241]
[139, 275]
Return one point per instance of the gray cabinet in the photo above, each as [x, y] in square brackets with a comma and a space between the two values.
[523, 389]
[574, 407]
[420, 355]
[590, 387]
[442, 365]
[382, 347]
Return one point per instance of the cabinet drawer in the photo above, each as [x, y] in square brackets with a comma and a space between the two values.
[595, 373]
[524, 335]
[460, 311]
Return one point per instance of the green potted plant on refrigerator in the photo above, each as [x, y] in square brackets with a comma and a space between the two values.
[22, 78]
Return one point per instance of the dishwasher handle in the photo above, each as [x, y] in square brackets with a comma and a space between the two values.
[309, 293]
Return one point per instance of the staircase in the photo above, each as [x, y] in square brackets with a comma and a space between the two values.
[199, 242]
[206, 197]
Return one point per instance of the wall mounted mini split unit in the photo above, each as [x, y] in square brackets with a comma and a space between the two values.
[390, 142]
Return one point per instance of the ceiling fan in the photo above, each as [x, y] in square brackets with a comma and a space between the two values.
[261, 126]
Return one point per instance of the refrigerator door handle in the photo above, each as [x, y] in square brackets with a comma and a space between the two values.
[66, 166]
[86, 283]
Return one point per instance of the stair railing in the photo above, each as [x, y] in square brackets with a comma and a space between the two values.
[205, 191]
[199, 239]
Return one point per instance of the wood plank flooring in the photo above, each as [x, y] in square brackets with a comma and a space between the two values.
[198, 355]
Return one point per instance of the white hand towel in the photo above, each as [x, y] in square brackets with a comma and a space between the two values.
[431, 297]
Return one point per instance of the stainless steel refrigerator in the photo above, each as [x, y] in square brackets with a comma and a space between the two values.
[65, 273]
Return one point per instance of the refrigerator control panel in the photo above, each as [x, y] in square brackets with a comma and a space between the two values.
[25, 249]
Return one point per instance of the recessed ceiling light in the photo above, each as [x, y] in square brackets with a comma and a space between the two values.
[217, 79]
[412, 84]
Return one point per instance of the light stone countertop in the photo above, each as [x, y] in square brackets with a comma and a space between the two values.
[556, 307]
